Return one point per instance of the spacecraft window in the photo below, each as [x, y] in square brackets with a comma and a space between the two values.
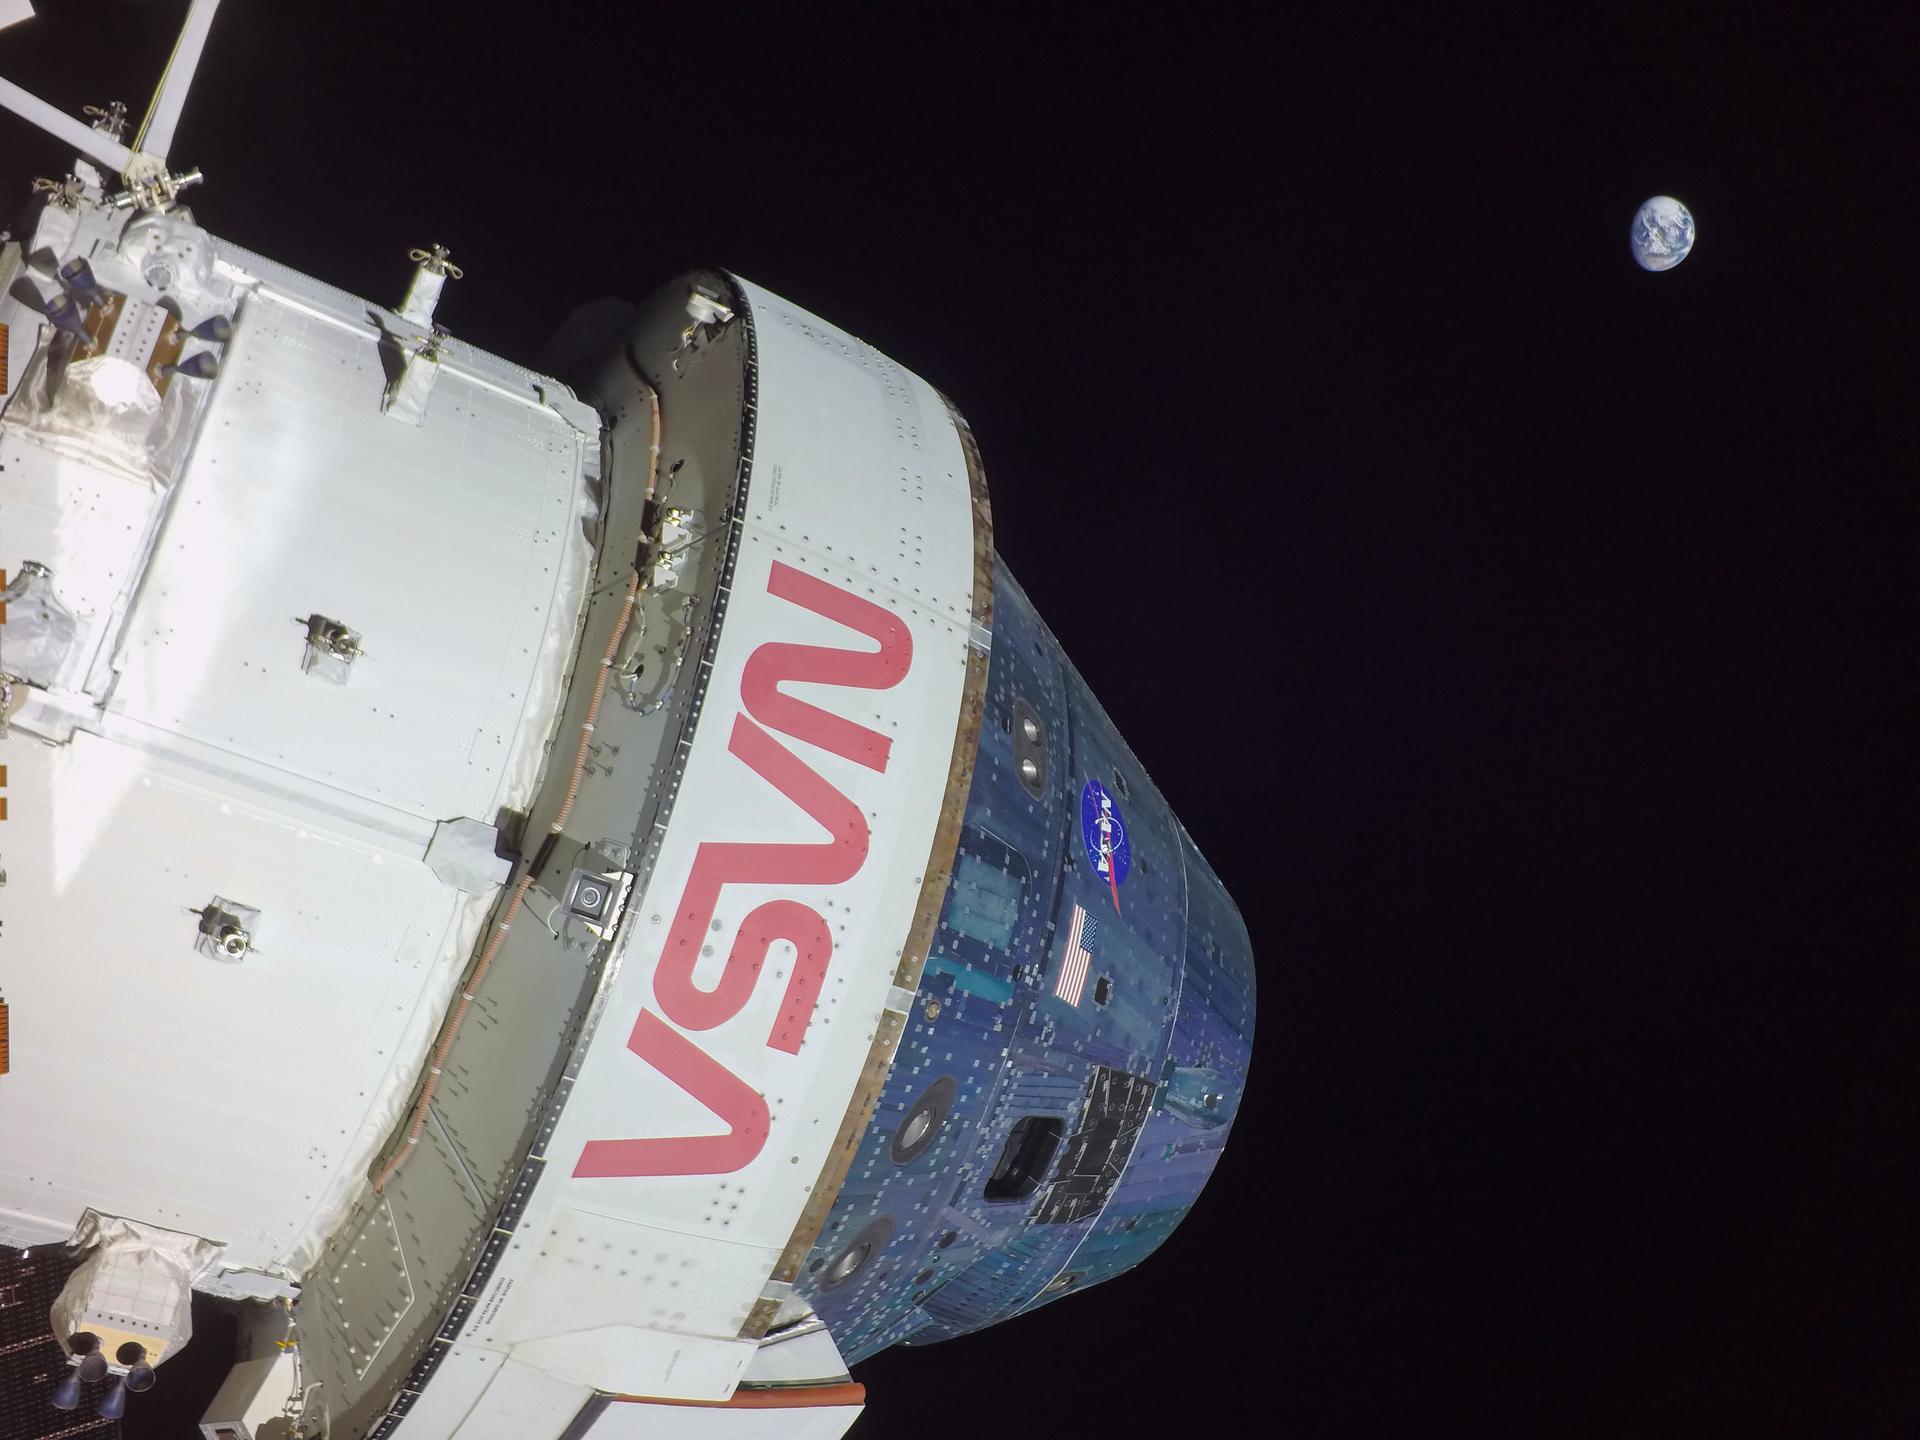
[1026, 1158]
[1029, 747]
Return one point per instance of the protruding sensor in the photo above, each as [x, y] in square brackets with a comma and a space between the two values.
[198, 366]
[77, 276]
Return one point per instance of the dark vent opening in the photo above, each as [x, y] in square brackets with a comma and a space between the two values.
[1026, 1159]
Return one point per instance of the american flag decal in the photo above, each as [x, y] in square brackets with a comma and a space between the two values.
[1077, 958]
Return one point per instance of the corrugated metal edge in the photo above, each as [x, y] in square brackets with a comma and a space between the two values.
[933, 895]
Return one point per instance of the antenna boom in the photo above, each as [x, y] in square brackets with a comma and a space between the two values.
[163, 115]
[96, 144]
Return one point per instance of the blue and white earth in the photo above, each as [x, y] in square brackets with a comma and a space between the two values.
[1662, 233]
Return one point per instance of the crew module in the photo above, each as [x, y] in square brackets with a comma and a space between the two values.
[539, 907]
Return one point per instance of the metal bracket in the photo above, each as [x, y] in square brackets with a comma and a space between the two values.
[423, 295]
[226, 930]
[110, 120]
[595, 901]
[64, 194]
[331, 648]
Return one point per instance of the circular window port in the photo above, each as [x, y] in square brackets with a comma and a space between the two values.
[858, 1253]
[923, 1120]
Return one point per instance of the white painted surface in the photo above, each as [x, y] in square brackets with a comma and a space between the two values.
[461, 1379]
[523, 1403]
[633, 1357]
[628, 1421]
[242, 1102]
[444, 545]
[810, 1358]
[254, 1393]
[62, 126]
[90, 527]
[156, 135]
[150, 1081]
[858, 479]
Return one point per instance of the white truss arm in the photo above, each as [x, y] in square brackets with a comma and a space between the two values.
[163, 115]
[96, 144]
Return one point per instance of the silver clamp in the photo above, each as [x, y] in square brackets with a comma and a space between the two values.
[153, 190]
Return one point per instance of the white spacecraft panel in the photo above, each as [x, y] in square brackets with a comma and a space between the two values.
[462, 1378]
[858, 481]
[631, 1421]
[221, 768]
[522, 1403]
[659, 1362]
[451, 547]
[87, 525]
[807, 1358]
[249, 267]
[223, 1099]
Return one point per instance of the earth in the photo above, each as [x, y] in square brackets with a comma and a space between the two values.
[1662, 233]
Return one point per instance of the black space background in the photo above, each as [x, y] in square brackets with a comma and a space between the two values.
[1524, 638]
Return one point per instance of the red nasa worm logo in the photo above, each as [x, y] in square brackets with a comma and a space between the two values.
[719, 863]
